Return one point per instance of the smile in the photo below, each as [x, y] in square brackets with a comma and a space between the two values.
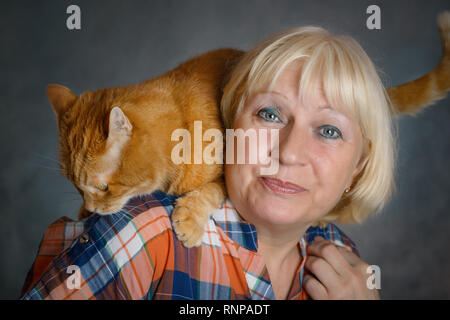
[281, 187]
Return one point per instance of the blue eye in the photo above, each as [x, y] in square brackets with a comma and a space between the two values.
[330, 132]
[270, 115]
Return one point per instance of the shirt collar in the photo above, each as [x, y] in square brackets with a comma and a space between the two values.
[235, 227]
[238, 230]
[244, 234]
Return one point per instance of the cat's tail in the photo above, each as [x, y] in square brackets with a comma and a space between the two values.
[414, 96]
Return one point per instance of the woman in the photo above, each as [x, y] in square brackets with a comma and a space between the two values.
[335, 151]
[322, 97]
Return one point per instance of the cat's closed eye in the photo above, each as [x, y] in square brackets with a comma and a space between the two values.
[102, 187]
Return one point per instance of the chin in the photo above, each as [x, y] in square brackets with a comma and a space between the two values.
[278, 211]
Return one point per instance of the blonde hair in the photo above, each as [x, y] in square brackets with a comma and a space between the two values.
[350, 79]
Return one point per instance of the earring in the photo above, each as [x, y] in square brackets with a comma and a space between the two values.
[347, 190]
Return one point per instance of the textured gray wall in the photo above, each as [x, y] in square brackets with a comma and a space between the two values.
[123, 42]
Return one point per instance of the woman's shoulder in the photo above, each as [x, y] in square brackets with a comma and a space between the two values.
[143, 222]
[146, 216]
[332, 233]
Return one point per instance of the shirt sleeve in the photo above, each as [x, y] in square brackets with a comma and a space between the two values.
[118, 256]
[58, 237]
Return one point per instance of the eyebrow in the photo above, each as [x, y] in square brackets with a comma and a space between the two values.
[320, 107]
[273, 92]
[332, 110]
[326, 106]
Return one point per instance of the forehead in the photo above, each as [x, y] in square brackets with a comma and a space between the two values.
[289, 78]
[287, 85]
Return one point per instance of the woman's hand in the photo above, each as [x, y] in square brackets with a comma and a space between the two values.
[338, 273]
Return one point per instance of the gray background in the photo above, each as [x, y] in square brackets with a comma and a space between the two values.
[123, 42]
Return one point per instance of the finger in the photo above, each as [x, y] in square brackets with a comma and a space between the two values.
[332, 254]
[324, 273]
[314, 288]
[351, 257]
[360, 269]
[341, 248]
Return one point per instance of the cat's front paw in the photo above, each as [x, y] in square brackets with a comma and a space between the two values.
[186, 227]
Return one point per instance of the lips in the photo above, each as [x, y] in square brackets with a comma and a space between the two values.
[282, 187]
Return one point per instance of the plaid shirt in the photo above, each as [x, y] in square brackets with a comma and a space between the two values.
[134, 254]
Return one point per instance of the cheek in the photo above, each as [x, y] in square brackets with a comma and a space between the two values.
[92, 197]
[334, 167]
[237, 177]
[251, 144]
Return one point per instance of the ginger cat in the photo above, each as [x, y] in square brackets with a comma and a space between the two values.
[412, 97]
[116, 143]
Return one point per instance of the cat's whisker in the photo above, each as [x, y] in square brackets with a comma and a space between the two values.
[80, 199]
[139, 205]
[49, 168]
[132, 208]
[46, 158]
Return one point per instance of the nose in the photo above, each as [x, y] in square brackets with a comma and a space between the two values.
[294, 145]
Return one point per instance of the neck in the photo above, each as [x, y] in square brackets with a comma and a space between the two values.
[281, 248]
[282, 256]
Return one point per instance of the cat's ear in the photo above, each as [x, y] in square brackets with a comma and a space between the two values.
[119, 125]
[61, 98]
[118, 136]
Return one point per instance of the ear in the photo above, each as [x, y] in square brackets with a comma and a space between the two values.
[119, 125]
[119, 134]
[61, 98]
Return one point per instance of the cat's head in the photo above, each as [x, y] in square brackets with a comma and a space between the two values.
[92, 136]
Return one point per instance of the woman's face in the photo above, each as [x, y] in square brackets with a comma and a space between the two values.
[319, 154]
